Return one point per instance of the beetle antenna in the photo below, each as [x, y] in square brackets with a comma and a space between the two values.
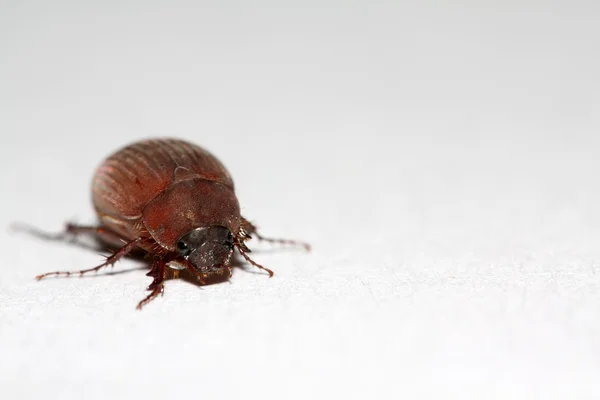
[251, 261]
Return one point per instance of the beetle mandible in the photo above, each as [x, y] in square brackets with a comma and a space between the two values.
[176, 203]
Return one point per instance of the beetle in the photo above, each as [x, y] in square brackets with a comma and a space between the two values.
[173, 201]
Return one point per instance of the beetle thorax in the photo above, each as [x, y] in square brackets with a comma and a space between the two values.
[188, 205]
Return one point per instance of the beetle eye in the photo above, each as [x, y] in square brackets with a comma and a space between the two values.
[229, 240]
[183, 248]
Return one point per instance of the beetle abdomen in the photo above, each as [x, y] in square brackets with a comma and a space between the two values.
[130, 178]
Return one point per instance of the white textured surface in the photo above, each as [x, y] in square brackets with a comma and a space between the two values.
[443, 161]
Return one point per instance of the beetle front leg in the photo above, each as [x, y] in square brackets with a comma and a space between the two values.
[110, 260]
[243, 250]
[158, 284]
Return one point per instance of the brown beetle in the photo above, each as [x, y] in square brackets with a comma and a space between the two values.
[175, 202]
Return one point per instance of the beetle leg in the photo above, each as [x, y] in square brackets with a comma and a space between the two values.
[157, 272]
[70, 233]
[189, 267]
[159, 289]
[158, 284]
[106, 235]
[248, 229]
[243, 253]
[110, 260]
[186, 265]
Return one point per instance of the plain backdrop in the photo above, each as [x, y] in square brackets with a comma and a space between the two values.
[441, 157]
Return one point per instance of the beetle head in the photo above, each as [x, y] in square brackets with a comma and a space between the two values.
[208, 249]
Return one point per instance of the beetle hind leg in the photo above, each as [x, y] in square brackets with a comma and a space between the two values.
[249, 230]
[71, 232]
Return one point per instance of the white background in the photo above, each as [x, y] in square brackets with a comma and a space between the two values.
[441, 157]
